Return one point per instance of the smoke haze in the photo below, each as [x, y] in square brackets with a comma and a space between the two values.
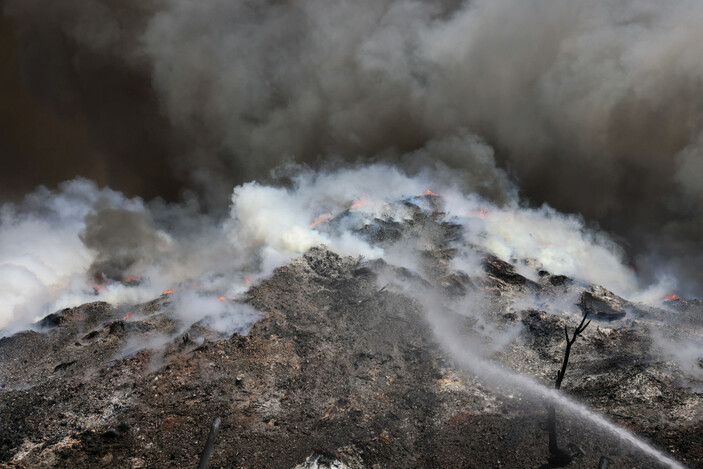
[81, 243]
[593, 108]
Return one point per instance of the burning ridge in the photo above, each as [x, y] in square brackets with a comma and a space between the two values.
[397, 360]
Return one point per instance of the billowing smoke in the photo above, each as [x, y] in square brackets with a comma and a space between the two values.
[83, 244]
[594, 107]
[42, 258]
[122, 238]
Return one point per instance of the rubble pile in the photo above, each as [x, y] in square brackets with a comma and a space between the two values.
[344, 371]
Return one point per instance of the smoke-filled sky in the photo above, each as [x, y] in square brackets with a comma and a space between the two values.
[591, 107]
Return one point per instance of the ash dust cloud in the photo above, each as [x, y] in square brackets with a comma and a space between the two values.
[503, 166]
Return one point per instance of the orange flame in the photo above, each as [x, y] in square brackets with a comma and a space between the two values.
[126, 316]
[482, 213]
[222, 298]
[321, 218]
[672, 296]
[98, 288]
[245, 282]
[167, 292]
[359, 203]
[429, 192]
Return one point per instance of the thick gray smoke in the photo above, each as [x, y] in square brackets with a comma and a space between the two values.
[593, 107]
[121, 237]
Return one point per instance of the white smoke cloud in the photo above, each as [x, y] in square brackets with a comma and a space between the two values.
[41, 255]
[271, 217]
[685, 350]
[559, 243]
[56, 245]
[220, 314]
[81, 244]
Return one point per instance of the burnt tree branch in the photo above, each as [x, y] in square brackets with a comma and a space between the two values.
[560, 457]
[569, 342]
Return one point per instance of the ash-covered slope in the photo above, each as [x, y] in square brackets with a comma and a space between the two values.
[348, 368]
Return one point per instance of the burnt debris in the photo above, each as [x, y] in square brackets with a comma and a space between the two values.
[344, 371]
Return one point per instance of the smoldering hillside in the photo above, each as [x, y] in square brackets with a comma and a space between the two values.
[593, 107]
[398, 359]
[355, 231]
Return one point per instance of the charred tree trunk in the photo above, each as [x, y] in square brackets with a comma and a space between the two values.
[559, 457]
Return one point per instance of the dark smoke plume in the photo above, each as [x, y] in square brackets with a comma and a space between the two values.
[593, 107]
[121, 238]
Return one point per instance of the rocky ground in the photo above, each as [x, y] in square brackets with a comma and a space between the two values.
[344, 370]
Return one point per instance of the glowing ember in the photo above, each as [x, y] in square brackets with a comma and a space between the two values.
[321, 218]
[222, 298]
[358, 203]
[429, 192]
[167, 292]
[670, 297]
[132, 281]
[126, 316]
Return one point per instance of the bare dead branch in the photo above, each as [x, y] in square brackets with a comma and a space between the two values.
[559, 456]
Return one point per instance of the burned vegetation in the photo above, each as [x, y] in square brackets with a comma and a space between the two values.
[346, 369]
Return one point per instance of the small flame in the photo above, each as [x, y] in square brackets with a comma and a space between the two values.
[482, 213]
[672, 296]
[167, 292]
[245, 282]
[222, 298]
[362, 201]
[430, 193]
[321, 218]
[133, 279]
[126, 316]
[98, 288]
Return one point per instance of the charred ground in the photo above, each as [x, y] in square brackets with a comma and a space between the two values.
[344, 369]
